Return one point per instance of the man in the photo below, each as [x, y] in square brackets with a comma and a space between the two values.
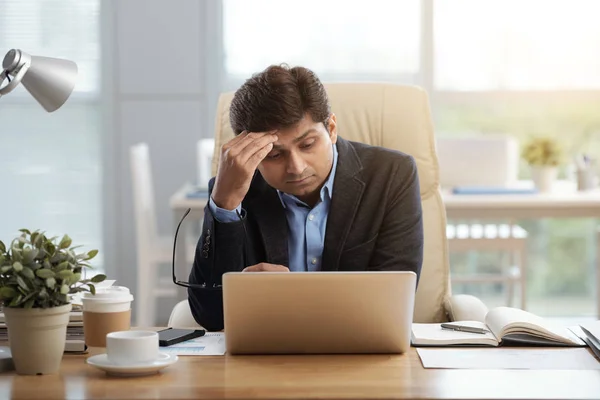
[291, 195]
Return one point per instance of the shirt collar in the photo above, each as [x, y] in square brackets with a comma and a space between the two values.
[326, 190]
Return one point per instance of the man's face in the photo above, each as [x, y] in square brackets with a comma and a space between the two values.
[301, 159]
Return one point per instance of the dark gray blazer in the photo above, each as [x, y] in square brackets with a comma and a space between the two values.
[375, 223]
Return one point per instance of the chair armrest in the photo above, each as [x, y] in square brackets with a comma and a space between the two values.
[464, 307]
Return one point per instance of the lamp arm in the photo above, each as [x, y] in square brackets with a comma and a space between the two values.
[15, 81]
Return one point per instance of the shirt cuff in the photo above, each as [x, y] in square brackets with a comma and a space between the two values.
[223, 215]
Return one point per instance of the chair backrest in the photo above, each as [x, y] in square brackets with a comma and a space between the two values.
[143, 199]
[204, 156]
[396, 117]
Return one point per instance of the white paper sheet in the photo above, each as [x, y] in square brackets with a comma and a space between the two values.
[211, 344]
[508, 358]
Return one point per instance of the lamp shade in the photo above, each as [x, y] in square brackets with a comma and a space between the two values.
[49, 80]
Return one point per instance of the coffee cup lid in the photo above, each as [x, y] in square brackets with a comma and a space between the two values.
[109, 294]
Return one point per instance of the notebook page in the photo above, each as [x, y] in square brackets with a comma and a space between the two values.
[503, 320]
[434, 335]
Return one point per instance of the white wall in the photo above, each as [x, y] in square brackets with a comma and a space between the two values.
[160, 88]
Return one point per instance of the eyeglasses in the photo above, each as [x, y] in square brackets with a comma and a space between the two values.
[201, 285]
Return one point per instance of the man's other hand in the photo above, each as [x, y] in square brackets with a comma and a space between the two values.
[266, 267]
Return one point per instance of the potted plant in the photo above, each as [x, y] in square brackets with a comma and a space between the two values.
[37, 274]
[544, 155]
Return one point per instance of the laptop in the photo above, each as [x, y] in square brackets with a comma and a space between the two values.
[318, 312]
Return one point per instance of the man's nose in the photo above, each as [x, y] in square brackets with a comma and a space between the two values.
[295, 164]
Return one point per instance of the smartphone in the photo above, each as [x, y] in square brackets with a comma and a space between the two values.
[170, 336]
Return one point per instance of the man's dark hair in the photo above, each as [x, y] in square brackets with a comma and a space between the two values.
[278, 98]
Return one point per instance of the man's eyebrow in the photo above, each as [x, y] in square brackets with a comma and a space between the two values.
[299, 138]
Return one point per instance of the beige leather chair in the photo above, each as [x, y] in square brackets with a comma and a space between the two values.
[396, 117]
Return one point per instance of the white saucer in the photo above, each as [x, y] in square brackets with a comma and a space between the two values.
[102, 362]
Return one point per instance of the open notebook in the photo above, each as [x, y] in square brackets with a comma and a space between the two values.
[503, 324]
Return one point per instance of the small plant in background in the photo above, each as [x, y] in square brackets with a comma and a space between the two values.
[542, 151]
[39, 272]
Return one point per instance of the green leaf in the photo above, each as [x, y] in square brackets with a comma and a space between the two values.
[25, 231]
[76, 277]
[29, 303]
[50, 283]
[50, 248]
[62, 266]
[16, 254]
[64, 274]
[2, 247]
[64, 289]
[15, 301]
[92, 288]
[22, 283]
[6, 292]
[28, 273]
[45, 273]
[34, 237]
[29, 296]
[91, 254]
[98, 278]
[6, 268]
[29, 254]
[18, 266]
[2, 259]
[65, 242]
[34, 266]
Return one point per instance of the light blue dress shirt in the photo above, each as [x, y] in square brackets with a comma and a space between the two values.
[306, 226]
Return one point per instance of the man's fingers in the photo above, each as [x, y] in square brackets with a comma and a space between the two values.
[266, 267]
[235, 140]
[257, 146]
[260, 155]
[250, 140]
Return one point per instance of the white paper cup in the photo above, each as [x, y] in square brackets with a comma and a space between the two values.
[132, 347]
[109, 310]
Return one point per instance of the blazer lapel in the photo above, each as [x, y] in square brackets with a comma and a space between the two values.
[347, 192]
[271, 221]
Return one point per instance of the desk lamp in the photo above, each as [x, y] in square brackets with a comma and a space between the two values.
[49, 80]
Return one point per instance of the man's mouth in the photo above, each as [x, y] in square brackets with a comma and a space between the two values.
[298, 181]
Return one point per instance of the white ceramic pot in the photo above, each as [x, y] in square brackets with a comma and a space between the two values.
[544, 177]
[37, 338]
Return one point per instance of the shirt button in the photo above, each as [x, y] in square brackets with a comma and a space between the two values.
[314, 261]
[311, 217]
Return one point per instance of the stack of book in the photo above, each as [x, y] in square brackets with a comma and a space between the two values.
[592, 336]
[75, 342]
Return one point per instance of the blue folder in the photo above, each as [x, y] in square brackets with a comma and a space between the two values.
[198, 193]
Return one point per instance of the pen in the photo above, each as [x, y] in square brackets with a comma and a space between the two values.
[463, 328]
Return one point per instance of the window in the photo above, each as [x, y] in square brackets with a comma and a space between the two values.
[55, 28]
[516, 45]
[339, 40]
[50, 163]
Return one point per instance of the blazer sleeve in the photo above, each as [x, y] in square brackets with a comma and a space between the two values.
[399, 244]
[220, 249]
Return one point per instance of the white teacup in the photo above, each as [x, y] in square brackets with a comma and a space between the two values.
[131, 347]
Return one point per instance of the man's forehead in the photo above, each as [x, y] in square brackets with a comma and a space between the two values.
[290, 137]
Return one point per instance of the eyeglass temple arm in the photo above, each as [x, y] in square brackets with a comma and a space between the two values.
[175, 281]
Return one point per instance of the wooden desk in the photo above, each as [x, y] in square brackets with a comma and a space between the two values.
[285, 377]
